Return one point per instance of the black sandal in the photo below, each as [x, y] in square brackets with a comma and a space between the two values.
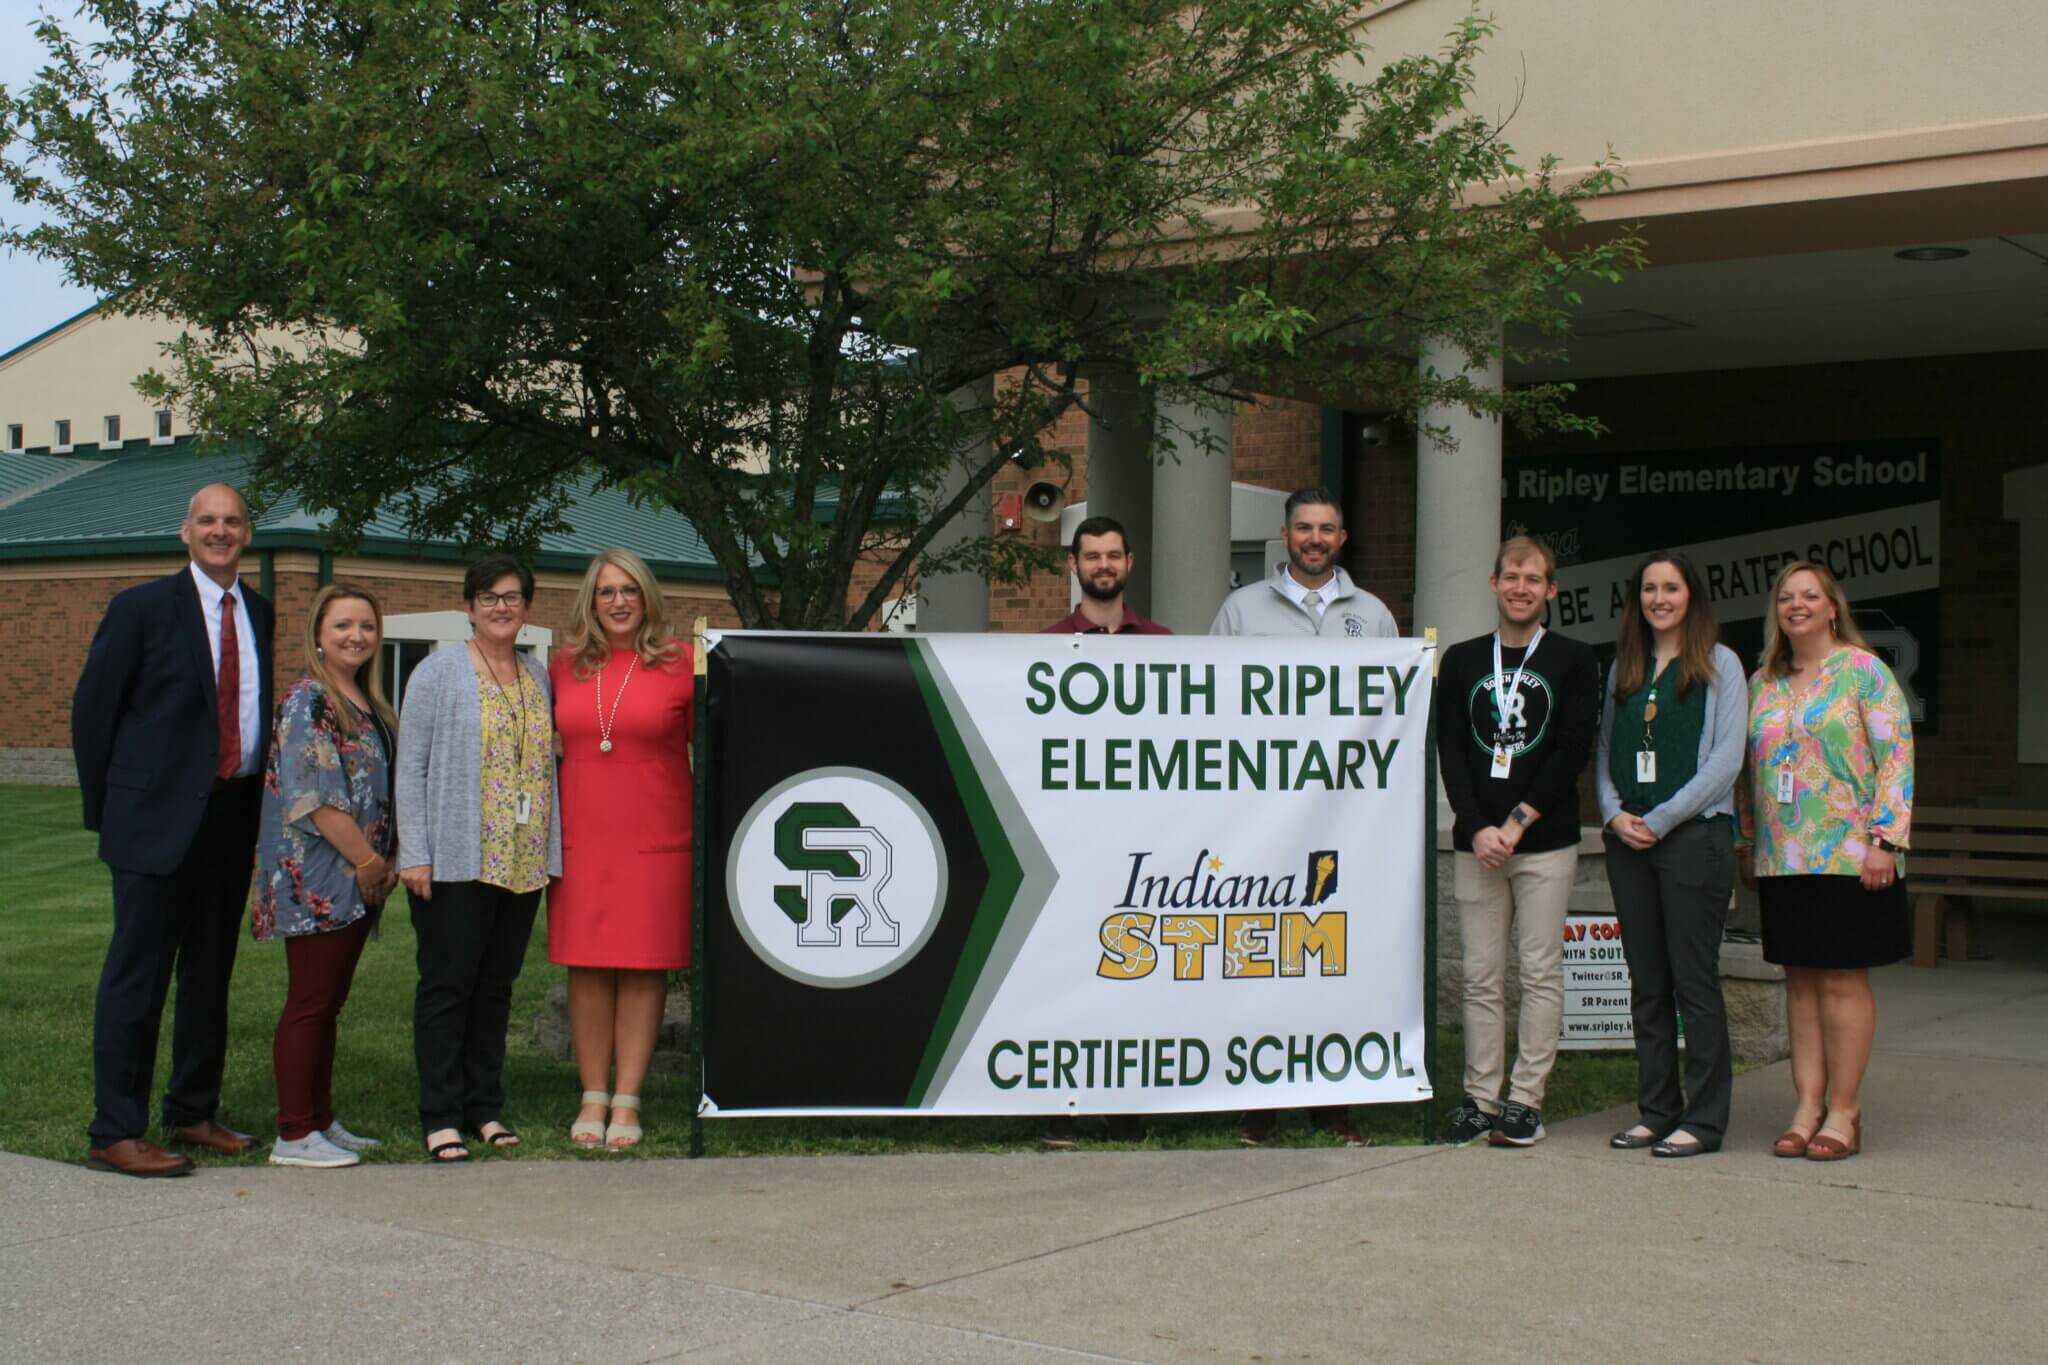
[504, 1137]
[438, 1153]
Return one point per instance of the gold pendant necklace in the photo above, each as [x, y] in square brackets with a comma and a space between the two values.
[604, 723]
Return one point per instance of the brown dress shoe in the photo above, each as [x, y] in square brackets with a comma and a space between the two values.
[138, 1157]
[214, 1137]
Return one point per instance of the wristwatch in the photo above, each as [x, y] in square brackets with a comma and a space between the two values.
[1520, 817]
[1884, 843]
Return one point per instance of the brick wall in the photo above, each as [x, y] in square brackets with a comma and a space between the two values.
[1277, 443]
[48, 612]
[1379, 497]
[50, 609]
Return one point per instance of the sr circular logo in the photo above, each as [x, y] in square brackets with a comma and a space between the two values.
[836, 877]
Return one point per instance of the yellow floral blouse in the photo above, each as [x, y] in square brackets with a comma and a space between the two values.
[515, 856]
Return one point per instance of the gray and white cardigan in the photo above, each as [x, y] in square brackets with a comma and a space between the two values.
[440, 771]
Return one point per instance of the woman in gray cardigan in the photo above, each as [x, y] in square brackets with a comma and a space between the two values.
[477, 842]
[1672, 735]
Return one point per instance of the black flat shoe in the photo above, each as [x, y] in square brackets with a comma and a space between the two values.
[1696, 1147]
[1626, 1141]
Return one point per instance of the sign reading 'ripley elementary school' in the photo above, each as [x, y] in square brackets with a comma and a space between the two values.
[1868, 510]
[958, 874]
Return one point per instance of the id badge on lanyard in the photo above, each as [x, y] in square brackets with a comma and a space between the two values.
[522, 808]
[1503, 761]
[1646, 765]
[1785, 785]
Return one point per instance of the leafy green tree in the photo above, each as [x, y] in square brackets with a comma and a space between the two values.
[450, 258]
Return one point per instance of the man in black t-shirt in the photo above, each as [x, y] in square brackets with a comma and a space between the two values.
[1517, 710]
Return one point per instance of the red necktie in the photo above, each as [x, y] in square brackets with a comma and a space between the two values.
[228, 701]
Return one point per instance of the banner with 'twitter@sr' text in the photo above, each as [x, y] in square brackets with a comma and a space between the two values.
[958, 874]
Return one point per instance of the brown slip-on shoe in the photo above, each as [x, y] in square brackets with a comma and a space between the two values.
[138, 1157]
[1827, 1147]
[214, 1137]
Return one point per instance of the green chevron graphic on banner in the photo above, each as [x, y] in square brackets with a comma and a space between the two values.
[1021, 877]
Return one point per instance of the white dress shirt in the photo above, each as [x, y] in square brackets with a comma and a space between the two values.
[1297, 592]
[210, 594]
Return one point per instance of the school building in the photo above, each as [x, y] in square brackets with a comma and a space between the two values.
[1834, 352]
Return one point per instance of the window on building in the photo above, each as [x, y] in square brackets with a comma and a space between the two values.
[163, 424]
[110, 430]
[14, 435]
[61, 434]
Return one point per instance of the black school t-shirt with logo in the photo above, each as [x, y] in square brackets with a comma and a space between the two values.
[1548, 733]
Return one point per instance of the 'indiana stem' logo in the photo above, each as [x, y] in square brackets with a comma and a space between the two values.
[1268, 926]
[836, 877]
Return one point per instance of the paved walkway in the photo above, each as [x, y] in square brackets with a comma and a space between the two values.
[1929, 1247]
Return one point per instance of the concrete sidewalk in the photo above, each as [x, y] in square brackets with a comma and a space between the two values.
[1928, 1247]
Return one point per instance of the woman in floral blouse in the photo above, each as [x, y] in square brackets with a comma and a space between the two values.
[1827, 808]
[323, 859]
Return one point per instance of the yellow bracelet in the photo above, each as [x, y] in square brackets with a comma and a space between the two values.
[374, 856]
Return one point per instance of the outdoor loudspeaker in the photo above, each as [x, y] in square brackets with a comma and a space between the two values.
[1044, 501]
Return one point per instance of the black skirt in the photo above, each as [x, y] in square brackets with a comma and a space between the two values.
[1834, 922]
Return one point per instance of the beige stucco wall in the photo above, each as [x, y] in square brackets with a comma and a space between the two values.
[86, 371]
[1662, 81]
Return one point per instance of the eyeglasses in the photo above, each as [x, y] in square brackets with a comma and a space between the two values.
[492, 599]
[629, 593]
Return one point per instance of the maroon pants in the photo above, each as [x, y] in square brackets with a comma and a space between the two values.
[319, 969]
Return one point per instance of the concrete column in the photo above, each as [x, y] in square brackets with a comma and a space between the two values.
[1457, 506]
[959, 601]
[1120, 477]
[1191, 516]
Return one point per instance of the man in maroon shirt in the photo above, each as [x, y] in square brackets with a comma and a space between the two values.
[1100, 558]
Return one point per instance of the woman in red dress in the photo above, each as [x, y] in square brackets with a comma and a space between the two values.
[619, 915]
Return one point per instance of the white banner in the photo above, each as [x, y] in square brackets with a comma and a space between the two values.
[1205, 885]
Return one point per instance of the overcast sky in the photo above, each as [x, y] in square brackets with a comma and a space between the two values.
[33, 293]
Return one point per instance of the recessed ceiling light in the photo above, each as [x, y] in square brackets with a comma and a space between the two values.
[1932, 253]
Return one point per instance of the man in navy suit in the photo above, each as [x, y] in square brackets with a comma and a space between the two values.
[170, 728]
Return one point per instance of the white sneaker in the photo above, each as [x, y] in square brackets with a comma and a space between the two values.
[311, 1150]
[347, 1141]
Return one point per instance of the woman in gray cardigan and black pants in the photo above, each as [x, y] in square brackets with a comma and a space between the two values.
[477, 842]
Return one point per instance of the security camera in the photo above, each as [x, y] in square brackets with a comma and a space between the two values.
[1374, 435]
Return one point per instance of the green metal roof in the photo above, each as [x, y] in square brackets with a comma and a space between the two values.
[133, 502]
[22, 475]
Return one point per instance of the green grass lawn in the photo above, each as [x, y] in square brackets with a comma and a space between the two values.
[55, 909]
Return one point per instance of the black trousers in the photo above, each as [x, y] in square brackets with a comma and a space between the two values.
[186, 924]
[1673, 903]
[472, 942]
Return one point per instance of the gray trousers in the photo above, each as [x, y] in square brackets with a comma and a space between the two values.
[1672, 901]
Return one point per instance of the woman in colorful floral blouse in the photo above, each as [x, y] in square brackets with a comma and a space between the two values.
[477, 841]
[1827, 809]
[322, 859]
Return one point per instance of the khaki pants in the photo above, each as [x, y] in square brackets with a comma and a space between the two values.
[1526, 898]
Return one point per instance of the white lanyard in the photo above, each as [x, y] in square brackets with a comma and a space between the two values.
[1500, 698]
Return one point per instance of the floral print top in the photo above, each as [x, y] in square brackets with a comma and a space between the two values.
[1848, 740]
[515, 855]
[303, 884]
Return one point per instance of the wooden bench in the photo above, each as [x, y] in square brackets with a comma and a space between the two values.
[1960, 851]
